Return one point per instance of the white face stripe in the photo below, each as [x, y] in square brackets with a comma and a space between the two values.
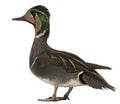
[41, 34]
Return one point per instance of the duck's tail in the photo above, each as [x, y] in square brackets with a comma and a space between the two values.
[95, 80]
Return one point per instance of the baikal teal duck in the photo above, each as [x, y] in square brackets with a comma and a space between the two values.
[58, 68]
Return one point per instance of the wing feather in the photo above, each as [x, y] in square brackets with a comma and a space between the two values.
[71, 62]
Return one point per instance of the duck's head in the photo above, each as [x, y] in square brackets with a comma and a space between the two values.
[38, 16]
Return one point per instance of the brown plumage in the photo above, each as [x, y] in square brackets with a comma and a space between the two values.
[74, 64]
[59, 68]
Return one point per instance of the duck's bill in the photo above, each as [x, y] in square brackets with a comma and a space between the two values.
[20, 18]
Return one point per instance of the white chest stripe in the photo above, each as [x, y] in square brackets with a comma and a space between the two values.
[33, 62]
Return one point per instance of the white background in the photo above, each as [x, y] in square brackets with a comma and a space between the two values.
[88, 28]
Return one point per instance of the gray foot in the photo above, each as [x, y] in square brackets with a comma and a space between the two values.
[54, 99]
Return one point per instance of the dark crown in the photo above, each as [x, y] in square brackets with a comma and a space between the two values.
[43, 9]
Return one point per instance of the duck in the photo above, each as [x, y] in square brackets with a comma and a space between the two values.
[55, 67]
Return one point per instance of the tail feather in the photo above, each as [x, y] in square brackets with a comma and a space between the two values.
[95, 66]
[95, 80]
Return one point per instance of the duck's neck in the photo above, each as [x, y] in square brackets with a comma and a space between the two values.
[39, 45]
[43, 35]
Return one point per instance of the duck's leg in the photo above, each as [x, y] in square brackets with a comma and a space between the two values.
[67, 93]
[53, 98]
[65, 97]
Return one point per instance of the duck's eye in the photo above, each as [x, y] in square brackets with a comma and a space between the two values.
[33, 13]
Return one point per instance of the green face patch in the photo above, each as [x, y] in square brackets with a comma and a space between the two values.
[44, 21]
